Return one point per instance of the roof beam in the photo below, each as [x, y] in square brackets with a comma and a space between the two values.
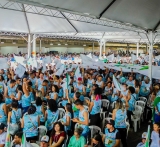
[69, 22]
[112, 2]
[155, 28]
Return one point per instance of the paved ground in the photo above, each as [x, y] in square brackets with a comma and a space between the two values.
[134, 138]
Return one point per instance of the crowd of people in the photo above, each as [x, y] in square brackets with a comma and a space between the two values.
[38, 99]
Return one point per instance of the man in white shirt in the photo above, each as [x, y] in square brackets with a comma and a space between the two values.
[18, 140]
[2, 135]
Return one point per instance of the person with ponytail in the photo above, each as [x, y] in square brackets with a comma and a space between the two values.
[95, 107]
[30, 123]
[97, 140]
[119, 115]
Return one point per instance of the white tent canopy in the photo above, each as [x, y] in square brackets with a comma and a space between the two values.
[91, 20]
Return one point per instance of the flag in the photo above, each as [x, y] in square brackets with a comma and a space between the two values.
[3, 63]
[144, 68]
[23, 143]
[116, 84]
[60, 71]
[20, 70]
[77, 72]
[110, 57]
[8, 138]
[148, 137]
[68, 79]
[156, 101]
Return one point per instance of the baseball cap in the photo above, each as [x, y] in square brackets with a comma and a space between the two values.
[111, 122]
[79, 79]
[144, 135]
[45, 138]
[2, 126]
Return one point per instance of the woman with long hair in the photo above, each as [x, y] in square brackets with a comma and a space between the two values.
[30, 123]
[66, 120]
[57, 136]
[97, 140]
[119, 115]
[40, 110]
[95, 107]
[51, 115]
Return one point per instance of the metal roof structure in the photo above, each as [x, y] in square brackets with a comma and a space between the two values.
[112, 20]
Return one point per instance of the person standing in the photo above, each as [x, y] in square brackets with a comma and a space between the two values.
[119, 115]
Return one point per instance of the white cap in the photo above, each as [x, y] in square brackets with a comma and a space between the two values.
[45, 139]
[144, 135]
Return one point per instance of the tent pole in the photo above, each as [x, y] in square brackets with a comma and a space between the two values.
[137, 49]
[34, 46]
[150, 35]
[100, 52]
[29, 45]
[40, 45]
[104, 49]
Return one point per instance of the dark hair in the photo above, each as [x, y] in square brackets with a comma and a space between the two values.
[1, 98]
[78, 102]
[57, 77]
[31, 109]
[19, 134]
[98, 138]
[69, 108]
[19, 87]
[131, 89]
[77, 94]
[2, 77]
[52, 104]
[38, 101]
[56, 88]
[137, 83]
[30, 83]
[98, 91]
[14, 104]
[79, 130]
[95, 85]
[61, 128]
[45, 81]
[12, 81]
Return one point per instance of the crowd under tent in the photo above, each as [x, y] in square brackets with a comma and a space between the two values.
[103, 21]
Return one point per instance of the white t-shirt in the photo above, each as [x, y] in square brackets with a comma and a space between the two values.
[27, 145]
[3, 138]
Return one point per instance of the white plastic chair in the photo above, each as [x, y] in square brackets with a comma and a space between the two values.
[143, 99]
[110, 115]
[59, 104]
[34, 145]
[142, 104]
[42, 131]
[105, 103]
[65, 142]
[128, 126]
[61, 112]
[137, 117]
[94, 129]
[113, 104]
[76, 125]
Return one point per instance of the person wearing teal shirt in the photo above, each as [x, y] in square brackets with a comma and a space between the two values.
[83, 119]
[30, 123]
[111, 137]
[77, 140]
